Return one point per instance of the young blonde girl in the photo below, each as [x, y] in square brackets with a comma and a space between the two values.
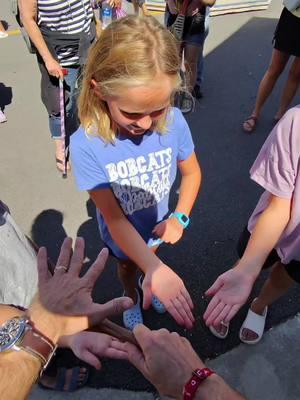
[126, 153]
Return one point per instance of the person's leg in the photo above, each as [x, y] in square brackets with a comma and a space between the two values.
[275, 286]
[200, 66]
[191, 54]
[136, 7]
[277, 65]
[127, 275]
[3, 33]
[290, 88]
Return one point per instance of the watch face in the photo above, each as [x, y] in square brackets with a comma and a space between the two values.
[11, 332]
[184, 219]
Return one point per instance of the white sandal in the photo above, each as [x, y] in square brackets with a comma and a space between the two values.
[255, 323]
[218, 334]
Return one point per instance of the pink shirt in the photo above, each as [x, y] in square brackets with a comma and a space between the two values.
[277, 170]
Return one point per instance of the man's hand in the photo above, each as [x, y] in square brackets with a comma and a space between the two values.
[170, 290]
[89, 346]
[230, 292]
[68, 294]
[166, 359]
[54, 68]
[169, 230]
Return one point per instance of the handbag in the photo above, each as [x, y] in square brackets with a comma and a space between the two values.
[178, 25]
[16, 13]
[291, 5]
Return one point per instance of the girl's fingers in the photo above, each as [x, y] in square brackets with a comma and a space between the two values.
[180, 309]
[222, 315]
[186, 307]
[174, 312]
[215, 313]
[214, 288]
[234, 309]
[211, 306]
[64, 255]
[187, 297]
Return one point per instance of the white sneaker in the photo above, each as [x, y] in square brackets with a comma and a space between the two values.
[2, 117]
[3, 35]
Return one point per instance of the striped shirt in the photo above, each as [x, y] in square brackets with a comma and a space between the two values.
[67, 17]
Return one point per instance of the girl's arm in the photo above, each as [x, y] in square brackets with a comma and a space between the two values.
[170, 230]
[232, 289]
[28, 12]
[159, 278]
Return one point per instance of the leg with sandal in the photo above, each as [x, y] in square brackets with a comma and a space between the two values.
[286, 44]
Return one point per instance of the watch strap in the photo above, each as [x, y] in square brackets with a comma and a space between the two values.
[198, 376]
[37, 344]
[182, 218]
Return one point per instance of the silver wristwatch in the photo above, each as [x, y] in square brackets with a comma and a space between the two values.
[19, 333]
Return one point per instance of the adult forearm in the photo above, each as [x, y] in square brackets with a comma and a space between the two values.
[133, 245]
[18, 372]
[266, 234]
[188, 192]
[37, 38]
[215, 388]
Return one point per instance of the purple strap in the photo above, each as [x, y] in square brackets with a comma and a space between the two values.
[62, 126]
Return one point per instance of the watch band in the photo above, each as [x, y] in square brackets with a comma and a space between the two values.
[37, 344]
[182, 218]
[199, 375]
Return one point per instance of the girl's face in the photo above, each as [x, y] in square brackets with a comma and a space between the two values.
[137, 109]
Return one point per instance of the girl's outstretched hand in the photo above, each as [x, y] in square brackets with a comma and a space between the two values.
[229, 293]
[169, 230]
[170, 290]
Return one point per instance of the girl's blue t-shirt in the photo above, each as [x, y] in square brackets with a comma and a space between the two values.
[140, 170]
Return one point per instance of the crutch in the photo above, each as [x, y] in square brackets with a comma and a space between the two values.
[63, 123]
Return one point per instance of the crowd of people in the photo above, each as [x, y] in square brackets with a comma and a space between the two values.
[127, 142]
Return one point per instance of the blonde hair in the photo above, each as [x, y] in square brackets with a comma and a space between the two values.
[130, 52]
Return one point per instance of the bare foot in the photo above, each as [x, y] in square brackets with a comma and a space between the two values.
[66, 379]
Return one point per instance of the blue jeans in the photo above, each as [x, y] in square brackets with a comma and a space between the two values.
[200, 66]
[71, 109]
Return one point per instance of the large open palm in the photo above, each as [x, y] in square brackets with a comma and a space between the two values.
[229, 292]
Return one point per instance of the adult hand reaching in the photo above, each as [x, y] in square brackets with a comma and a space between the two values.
[170, 290]
[166, 359]
[67, 294]
[89, 346]
[229, 292]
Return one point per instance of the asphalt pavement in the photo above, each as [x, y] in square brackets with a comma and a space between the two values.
[48, 208]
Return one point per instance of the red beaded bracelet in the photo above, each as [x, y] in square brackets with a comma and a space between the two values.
[190, 388]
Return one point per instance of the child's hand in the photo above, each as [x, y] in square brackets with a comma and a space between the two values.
[229, 292]
[88, 346]
[170, 290]
[169, 230]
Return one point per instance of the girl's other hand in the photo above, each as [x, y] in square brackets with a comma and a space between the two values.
[229, 293]
[89, 346]
[170, 290]
[169, 230]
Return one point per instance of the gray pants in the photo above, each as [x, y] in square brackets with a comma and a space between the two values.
[18, 270]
